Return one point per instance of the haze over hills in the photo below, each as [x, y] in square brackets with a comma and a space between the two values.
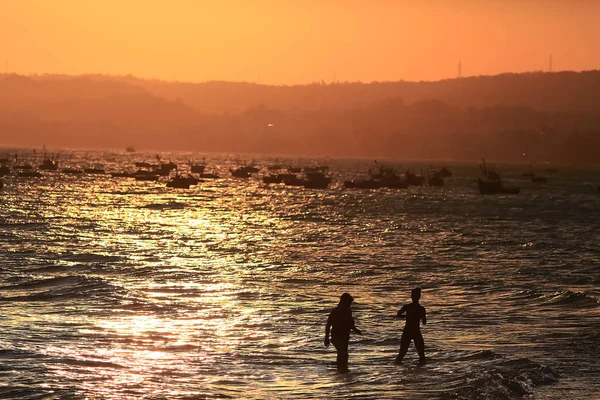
[546, 116]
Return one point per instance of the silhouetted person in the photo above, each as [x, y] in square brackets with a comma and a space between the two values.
[340, 322]
[414, 313]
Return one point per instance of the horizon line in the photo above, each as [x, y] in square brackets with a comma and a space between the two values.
[321, 82]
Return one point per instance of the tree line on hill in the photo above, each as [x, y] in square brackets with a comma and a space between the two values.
[514, 117]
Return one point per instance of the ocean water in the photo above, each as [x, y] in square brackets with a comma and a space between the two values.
[116, 289]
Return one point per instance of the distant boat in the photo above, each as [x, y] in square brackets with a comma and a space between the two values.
[48, 165]
[179, 182]
[496, 187]
[444, 173]
[209, 175]
[278, 178]
[23, 167]
[30, 174]
[380, 177]
[197, 168]
[491, 182]
[143, 175]
[72, 171]
[97, 169]
[436, 180]
[130, 149]
[413, 179]
[123, 174]
[241, 172]
[311, 180]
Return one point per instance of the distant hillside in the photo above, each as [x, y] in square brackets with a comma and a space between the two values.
[556, 92]
[527, 117]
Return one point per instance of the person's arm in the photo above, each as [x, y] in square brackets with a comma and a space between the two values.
[354, 328]
[401, 312]
[327, 328]
[424, 319]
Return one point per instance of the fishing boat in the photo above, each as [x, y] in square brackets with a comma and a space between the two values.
[30, 174]
[145, 175]
[413, 179]
[72, 171]
[436, 180]
[49, 164]
[198, 168]
[179, 182]
[491, 183]
[97, 169]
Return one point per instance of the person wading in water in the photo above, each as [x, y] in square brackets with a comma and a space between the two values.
[340, 322]
[414, 313]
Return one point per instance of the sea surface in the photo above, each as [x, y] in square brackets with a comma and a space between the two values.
[112, 288]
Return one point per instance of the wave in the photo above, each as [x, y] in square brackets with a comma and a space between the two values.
[90, 363]
[567, 297]
[63, 287]
[504, 380]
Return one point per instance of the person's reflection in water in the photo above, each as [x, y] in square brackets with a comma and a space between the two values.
[414, 313]
[340, 322]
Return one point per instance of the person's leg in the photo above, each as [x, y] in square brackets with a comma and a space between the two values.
[341, 345]
[404, 343]
[420, 345]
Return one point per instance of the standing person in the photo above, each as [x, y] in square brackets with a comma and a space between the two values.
[414, 313]
[340, 322]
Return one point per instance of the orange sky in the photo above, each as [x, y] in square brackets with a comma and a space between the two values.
[297, 41]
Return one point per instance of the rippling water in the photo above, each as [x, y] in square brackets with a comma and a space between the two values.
[113, 288]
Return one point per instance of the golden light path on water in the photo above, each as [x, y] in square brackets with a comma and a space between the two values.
[123, 289]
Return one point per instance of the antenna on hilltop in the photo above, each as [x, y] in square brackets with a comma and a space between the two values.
[459, 69]
[550, 64]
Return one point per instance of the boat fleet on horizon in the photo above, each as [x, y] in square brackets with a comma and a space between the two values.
[311, 177]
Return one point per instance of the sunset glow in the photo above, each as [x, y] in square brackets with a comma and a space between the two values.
[276, 42]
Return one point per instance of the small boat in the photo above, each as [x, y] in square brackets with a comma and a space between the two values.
[444, 173]
[496, 187]
[130, 149]
[241, 172]
[30, 174]
[312, 180]
[413, 179]
[123, 174]
[97, 169]
[72, 171]
[278, 178]
[144, 175]
[48, 165]
[23, 167]
[209, 175]
[144, 164]
[198, 168]
[491, 182]
[436, 180]
[179, 182]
